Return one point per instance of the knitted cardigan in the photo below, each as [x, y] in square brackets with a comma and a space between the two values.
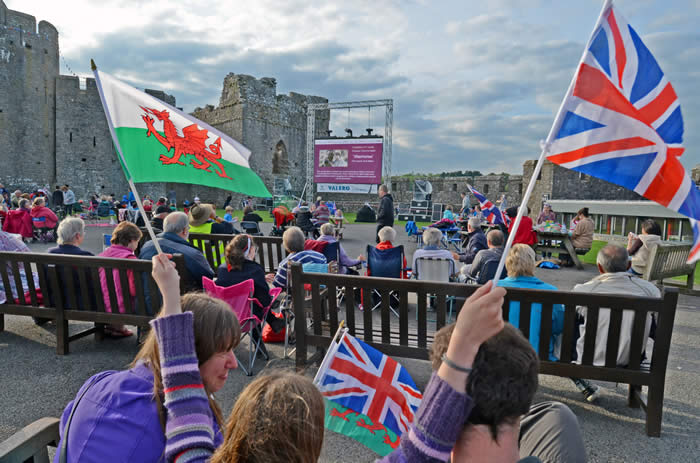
[189, 428]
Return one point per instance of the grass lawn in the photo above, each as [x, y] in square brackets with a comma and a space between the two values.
[590, 257]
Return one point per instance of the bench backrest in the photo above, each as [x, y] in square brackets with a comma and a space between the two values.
[72, 283]
[270, 249]
[668, 260]
[414, 342]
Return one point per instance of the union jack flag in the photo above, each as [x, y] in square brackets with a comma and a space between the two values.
[491, 213]
[359, 377]
[622, 121]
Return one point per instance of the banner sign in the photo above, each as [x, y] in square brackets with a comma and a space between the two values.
[355, 188]
[348, 160]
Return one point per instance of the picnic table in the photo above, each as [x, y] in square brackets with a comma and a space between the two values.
[558, 236]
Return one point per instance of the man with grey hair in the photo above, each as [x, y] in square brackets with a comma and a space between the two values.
[494, 240]
[71, 233]
[476, 241]
[293, 240]
[613, 262]
[173, 240]
[431, 239]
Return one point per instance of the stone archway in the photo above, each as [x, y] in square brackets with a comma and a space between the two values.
[280, 162]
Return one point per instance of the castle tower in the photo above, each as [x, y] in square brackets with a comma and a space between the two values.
[272, 126]
[28, 70]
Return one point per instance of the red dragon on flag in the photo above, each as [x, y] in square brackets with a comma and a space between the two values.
[192, 142]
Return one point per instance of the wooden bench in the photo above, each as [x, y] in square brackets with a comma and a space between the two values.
[669, 260]
[69, 289]
[270, 249]
[394, 338]
[30, 443]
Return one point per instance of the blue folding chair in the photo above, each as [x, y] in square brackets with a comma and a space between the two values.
[387, 263]
[106, 241]
[332, 252]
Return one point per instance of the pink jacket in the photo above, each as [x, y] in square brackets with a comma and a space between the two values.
[120, 252]
[43, 211]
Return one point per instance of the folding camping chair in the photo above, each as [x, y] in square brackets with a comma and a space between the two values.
[106, 241]
[486, 272]
[435, 269]
[240, 298]
[387, 263]
[251, 228]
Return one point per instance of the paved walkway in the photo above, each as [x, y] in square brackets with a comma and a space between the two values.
[35, 382]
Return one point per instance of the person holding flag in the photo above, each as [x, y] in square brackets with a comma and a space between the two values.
[294, 432]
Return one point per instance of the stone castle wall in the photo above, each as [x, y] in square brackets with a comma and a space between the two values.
[272, 126]
[28, 68]
[85, 154]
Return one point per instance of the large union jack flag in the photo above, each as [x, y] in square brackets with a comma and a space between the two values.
[491, 212]
[622, 121]
[361, 378]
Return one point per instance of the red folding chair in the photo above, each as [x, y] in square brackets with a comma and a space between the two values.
[240, 298]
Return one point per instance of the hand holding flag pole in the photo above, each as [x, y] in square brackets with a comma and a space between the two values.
[545, 149]
[123, 161]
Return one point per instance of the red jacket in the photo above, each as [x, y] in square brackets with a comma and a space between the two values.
[43, 211]
[19, 221]
[525, 233]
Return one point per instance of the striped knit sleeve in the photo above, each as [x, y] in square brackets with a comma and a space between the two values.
[438, 422]
[189, 428]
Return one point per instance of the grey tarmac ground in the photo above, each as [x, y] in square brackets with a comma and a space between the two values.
[35, 382]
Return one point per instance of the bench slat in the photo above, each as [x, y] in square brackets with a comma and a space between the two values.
[637, 340]
[140, 293]
[84, 288]
[126, 292]
[386, 314]
[350, 308]
[99, 296]
[613, 334]
[30, 283]
[403, 318]
[333, 307]
[545, 330]
[422, 319]
[591, 332]
[524, 318]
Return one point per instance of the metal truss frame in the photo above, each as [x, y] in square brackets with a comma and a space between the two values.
[311, 135]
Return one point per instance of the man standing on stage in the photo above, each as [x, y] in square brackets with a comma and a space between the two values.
[385, 215]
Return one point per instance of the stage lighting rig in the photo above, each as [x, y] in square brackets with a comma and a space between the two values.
[349, 132]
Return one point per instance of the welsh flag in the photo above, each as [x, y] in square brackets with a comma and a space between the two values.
[160, 143]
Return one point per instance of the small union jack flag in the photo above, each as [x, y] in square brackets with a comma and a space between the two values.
[491, 213]
[622, 121]
[359, 377]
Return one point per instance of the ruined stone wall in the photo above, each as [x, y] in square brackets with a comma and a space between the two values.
[446, 191]
[560, 183]
[28, 68]
[272, 126]
[85, 154]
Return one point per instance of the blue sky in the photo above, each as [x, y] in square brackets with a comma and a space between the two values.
[475, 84]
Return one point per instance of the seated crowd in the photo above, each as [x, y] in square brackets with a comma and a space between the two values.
[478, 405]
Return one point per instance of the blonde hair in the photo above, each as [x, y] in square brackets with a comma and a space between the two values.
[277, 417]
[327, 229]
[38, 201]
[228, 209]
[216, 329]
[520, 261]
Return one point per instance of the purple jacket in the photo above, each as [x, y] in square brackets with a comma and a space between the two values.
[120, 252]
[438, 421]
[345, 260]
[117, 420]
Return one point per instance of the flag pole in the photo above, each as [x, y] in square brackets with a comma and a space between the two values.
[545, 149]
[123, 161]
[331, 352]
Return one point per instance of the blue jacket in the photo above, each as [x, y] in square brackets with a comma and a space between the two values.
[249, 271]
[195, 262]
[536, 312]
[117, 420]
[477, 242]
